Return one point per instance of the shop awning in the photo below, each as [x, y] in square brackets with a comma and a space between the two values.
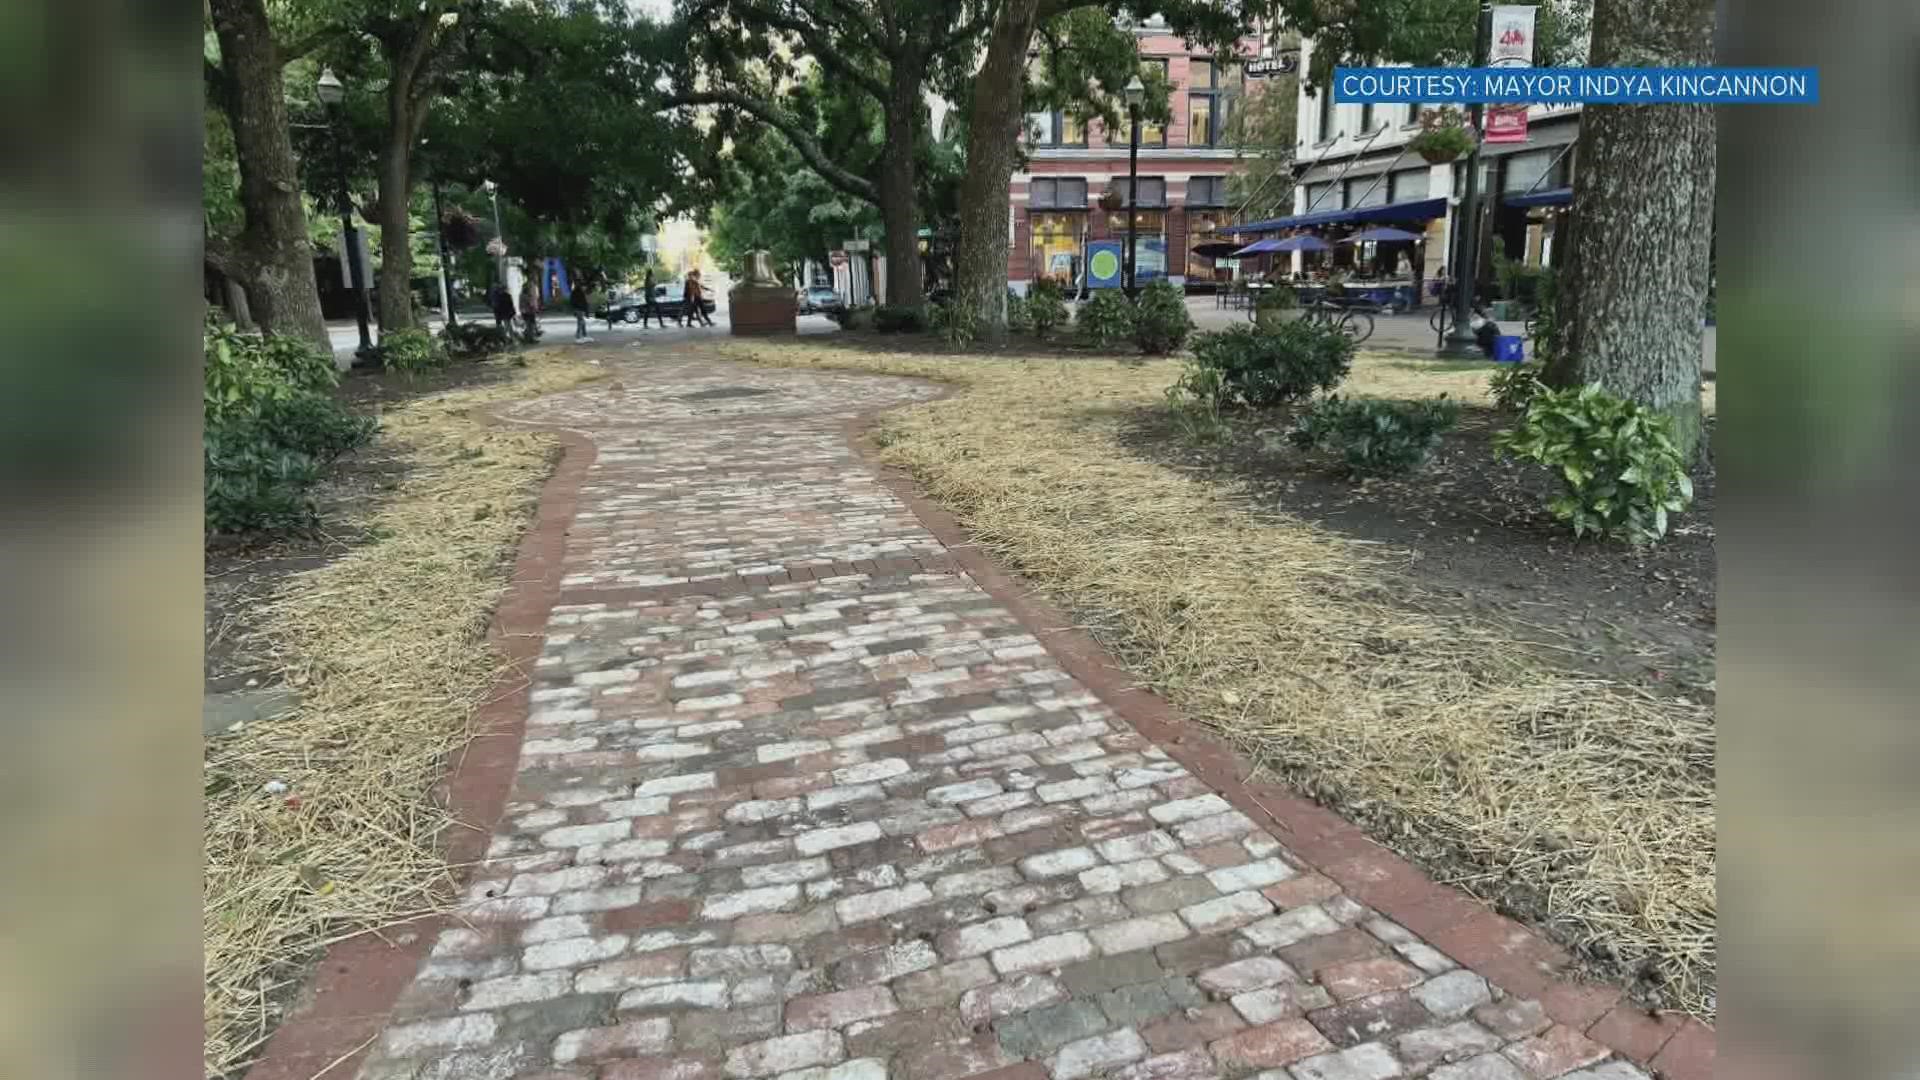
[1559, 196]
[1257, 247]
[1416, 210]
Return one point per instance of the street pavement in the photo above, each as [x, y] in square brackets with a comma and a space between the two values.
[804, 795]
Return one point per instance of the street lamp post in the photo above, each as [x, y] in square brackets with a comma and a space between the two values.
[332, 92]
[499, 234]
[440, 238]
[1461, 343]
[1136, 94]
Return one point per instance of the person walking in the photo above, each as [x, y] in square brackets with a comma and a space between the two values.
[502, 302]
[579, 304]
[530, 305]
[651, 311]
[696, 300]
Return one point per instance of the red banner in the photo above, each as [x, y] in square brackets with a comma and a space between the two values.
[1506, 124]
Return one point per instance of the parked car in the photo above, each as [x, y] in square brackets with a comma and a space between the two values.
[820, 298]
[623, 307]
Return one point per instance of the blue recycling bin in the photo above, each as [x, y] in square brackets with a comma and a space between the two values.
[1509, 349]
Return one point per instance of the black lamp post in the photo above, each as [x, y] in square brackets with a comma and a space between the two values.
[1136, 94]
[1461, 343]
[440, 239]
[332, 92]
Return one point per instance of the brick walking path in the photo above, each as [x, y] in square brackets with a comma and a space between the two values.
[798, 798]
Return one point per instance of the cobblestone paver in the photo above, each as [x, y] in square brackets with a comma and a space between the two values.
[799, 800]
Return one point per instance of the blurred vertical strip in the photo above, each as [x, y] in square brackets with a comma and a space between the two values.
[1819, 369]
[100, 307]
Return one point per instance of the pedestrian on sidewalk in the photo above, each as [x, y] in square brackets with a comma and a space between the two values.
[530, 304]
[696, 297]
[580, 305]
[502, 303]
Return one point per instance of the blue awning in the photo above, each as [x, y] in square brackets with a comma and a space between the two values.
[1416, 210]
[1559, 196]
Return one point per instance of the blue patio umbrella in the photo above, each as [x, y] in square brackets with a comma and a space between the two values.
[1303, 242]
[1382, 235]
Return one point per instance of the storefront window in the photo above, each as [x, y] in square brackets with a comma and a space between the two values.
[1056, 246]
[1202, 228]
[1150, 250]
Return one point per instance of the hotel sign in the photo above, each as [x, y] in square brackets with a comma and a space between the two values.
[1262, 67]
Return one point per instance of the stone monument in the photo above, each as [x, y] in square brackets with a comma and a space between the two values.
[761, 305]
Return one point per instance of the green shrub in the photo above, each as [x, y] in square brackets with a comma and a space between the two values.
[1046, 308]
[1019, 312]
[1621, 473]
[1106, 319]
[475, 340]
[1194, 402]
[899, 319]
[1514, 386]
[1373, 437]
[1261, 367]
[1160, 320]
[270, 428]
[410, 352]
[1546, 320]
[954, 324]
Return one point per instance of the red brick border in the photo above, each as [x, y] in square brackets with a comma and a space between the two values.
[1508, 954]
[351, 992]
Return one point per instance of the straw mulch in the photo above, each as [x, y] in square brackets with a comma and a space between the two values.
[1585, 806]
[386, 648]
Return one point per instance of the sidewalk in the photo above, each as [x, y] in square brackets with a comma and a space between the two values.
[809, 789]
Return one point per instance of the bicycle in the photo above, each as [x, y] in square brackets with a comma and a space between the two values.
[1354, 319]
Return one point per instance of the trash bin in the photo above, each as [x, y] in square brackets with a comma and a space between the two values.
[1508, 349]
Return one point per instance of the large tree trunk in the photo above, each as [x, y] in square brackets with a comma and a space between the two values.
[1633, 289]
[899, 199]
[396, 234]
[273, 257]
[980, 265]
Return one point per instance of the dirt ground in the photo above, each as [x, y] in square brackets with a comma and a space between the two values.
[1477, 533]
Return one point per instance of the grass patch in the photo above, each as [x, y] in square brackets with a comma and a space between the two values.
[386, 646]
[1579, 803]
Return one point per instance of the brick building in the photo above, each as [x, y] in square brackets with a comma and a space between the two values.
[1056, 203]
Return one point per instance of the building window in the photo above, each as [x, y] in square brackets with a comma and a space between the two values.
[1153, 190]
[1152, 134]
[1326, 113]
[1322, 196]
[1366, 191]
[1056, 129]
[1366, 118]
[1202, 228]
[1067, 193]
[1408, 185]
[1208, 104]
[1057, 241]
[1150, 239]
[1207, 191]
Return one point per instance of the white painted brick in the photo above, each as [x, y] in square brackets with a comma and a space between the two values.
[1141, 933]
[1065, 790]
[1253, 875]
[840, 796]
[984, 937]
[674, 785]
[1208, 830]
[1290, 927]
[1368, 1061]
[757, 810]
[957, 793]
[1046, 952]
[689, 995]
[1106, 879]
[785, 1053]
[786, 751]
[786, 873]
[615, 896]
[572, 952]
[1057, 863]
[870, 771]
[450, 1033]
[1453, 994]
[648, 1035]
[725, 906]
[1140, 845]
[516, 989]
[839, 836]
[884, 902]
[1087, 1057]
[605, 832]
[1226, 912]
[1188, 809]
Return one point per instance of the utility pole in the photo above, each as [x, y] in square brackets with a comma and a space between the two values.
[1460, 343]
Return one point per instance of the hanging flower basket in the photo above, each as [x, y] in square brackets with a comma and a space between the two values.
[1444, 136]
[1110, 200]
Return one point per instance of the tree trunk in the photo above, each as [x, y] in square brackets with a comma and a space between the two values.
[980, 265]
[1632, 293]
[899, 198]
[273, 257]
[396, 234]
[237, 305]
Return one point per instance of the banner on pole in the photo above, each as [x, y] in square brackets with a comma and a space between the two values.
[1512, 48]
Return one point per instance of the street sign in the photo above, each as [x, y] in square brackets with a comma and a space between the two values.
[1266, 66]
[857, 245]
